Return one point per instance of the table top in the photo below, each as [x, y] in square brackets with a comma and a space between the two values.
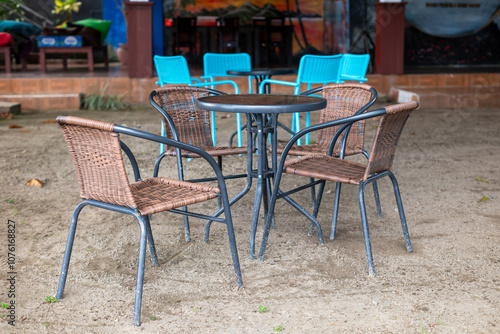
[261, 104]
[263, 71]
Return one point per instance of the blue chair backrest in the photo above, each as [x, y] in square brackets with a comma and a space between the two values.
[355, 66]
[217, 64]
[172, 70]
[320, 69]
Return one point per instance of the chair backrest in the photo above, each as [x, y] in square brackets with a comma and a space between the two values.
[320, 69]
[191, 122]
[387, 136]
[172, 70]
[344, 100]
[354, 67]
[217, 64]
[186, 27]
[228, 32]
[97, 157]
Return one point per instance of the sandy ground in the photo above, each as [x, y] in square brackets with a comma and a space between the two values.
[447, 161]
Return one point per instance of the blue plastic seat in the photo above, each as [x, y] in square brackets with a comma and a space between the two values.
[354, 67]
[174, 70]
[216, 65]
[313, 69]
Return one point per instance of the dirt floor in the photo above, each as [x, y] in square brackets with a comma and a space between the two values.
[447, 167]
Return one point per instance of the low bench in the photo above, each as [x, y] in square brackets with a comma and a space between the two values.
[7, 53]
[89, 50]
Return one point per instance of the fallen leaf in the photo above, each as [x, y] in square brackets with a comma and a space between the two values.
[481, 180]
[225, 116]
[35, 182]
[49, 121]
[24, 130]
[6, 115]
[13, 126]
[483, 199]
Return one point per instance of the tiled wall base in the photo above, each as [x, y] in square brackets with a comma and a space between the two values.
[476, 90]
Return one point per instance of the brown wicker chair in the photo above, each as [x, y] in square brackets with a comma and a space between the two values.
[329, 168]
[185, 122]
[95, 149]
[344, 100]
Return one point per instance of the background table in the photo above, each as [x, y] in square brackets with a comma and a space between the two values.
[260, 74]
[89, 50]
[258, 108]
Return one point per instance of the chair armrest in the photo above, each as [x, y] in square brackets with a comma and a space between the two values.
[352, 78]
[181, 146]
[346, 122]
[277, 82]
[222, 82]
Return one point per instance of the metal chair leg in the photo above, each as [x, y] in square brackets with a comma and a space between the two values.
[377, 198]
[401, 212]
[366, 232]
[69, 248]
[152, 248]
[319, 196]
[335, 210]
[140, 271]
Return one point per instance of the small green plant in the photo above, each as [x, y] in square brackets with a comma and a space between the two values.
[101, 101]
[4, 305]
[11, 201]
[278, 328]
[262, 309]
[152, 318]
[51, 300]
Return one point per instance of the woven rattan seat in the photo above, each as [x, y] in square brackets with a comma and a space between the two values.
[96, 151]
[329, 168]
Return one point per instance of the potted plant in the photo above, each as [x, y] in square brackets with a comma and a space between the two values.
[66, 7]
[122, 51]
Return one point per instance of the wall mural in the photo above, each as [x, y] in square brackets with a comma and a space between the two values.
[314, 30]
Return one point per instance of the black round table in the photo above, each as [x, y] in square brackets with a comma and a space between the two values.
[263, 111]
[260, 74]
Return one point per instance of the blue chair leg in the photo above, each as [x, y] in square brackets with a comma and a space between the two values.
[401, 212]
[238, 129]
[69, 248]
[308, 122]
[335, 211]
[212, 126]
[140, 271]
[377, 198]
[152, 248]
[366, 232]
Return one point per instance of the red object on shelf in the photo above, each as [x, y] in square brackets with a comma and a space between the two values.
[389, 37]
[169, 22]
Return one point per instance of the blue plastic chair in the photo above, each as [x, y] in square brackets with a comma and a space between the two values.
[216, 65]
[354, 67]
[313, 69]
[174, 70]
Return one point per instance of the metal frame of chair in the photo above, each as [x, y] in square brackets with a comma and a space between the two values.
[174, 70]
[313, 69]
[95, 148]
[216, 65]
[185, 122]
[344, 100]
[327, 167]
